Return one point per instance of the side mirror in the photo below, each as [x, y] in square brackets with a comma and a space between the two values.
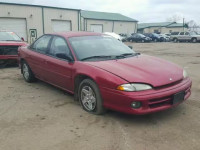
[131, 47]
[22, 38]
[64, 56]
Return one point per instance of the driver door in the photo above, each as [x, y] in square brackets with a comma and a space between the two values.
[59, 69]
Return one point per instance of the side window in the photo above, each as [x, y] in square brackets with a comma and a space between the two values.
[59, 48]
[41, 44]
[187, 33]
[182, 33]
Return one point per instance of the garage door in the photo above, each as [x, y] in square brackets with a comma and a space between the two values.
[61, 25]
[96, 28]
[15, 25]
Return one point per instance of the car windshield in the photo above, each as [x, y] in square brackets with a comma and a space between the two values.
[99, 47]
[9, 36]
[156, 35]
[141, 35]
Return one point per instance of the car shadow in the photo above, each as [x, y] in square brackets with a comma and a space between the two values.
[148, 119]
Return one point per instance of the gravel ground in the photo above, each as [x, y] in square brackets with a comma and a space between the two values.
[39, 116]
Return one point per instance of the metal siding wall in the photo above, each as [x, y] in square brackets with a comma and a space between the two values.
[55, 14]
[124, 27]
[164, 29]
[16, 11]
[107, 25]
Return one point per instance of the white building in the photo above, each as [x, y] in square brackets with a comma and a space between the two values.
[32, 21]
[107, 22]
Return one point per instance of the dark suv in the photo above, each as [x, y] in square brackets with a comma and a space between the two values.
[137, 37]
[155, 37]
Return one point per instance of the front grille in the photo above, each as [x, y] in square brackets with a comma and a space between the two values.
[8, 50]
[160, 102]
[154, 103]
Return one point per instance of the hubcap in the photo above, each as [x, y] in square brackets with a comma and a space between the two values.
[25, 71]
[88, 98]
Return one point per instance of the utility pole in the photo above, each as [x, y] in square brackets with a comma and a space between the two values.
[183, 24]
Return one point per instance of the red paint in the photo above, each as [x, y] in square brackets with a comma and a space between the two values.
[108, 75]
[11, 43]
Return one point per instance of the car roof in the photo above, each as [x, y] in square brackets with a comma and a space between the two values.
[76, 34]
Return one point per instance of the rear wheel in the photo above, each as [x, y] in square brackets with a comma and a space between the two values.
[3, 63]
[194, 40]
[175, 40]
[27, 73]
[90, 98]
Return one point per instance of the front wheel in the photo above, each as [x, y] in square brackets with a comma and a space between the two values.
[27, 73]
[175, 40]
[90, 98]
[194, 40]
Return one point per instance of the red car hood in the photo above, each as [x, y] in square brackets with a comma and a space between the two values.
[143, 69]
[12, 43]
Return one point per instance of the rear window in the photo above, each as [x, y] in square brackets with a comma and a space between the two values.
[9, 36]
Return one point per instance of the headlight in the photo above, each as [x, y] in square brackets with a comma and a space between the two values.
[184, 74]
[134, 87]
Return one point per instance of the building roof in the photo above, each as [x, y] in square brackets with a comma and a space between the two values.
[36, 5]
[159, 24]
[105, 16]
[175, 25]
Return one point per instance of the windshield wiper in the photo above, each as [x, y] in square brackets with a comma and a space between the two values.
[91, 57]
[12, 40]
[127, 54]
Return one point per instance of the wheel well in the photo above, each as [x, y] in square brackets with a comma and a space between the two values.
[78, 79]
[194, 38]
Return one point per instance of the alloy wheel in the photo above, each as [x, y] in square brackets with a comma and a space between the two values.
[88, 98]
[25, 71]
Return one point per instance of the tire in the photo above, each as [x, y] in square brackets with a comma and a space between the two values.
[175, 40]
[3, 63]
[27, 73]
[194, 40]
[155, 40]
[143, 41]
[93, 102]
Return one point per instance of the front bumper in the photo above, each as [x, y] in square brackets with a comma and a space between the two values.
[152, 100]
[8, 57]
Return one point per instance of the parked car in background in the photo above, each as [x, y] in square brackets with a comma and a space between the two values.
[167, 34]
[103, 73]
[164, 37]
[9, 43]
[124, 36]
[137, 37]
[185, 37]
[116, 36]
[155, 37]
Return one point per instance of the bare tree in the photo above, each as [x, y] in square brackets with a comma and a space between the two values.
[193, 26]
[174, 18]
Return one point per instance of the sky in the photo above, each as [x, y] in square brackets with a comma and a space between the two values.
[144, 11]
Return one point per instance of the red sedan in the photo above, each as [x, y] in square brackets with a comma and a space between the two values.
[103, 73]
[9, 43]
